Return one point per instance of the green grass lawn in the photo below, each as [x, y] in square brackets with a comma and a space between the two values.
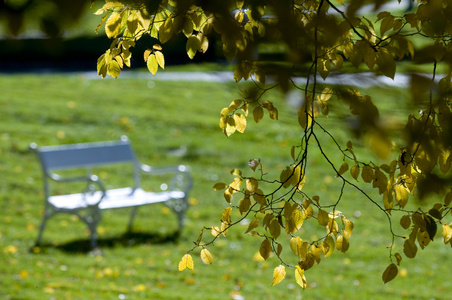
[159, 116]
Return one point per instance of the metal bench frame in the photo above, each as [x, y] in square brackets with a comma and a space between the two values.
[88, 204]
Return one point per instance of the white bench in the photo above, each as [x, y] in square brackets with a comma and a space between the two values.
[89, 203]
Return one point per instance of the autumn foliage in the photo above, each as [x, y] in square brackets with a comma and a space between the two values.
[318, 37]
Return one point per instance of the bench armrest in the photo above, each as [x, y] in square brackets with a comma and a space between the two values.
[181, 180]
[89, 179]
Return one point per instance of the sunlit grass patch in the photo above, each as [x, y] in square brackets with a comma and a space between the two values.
[171, 123]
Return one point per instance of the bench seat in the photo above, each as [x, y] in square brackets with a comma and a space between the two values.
[115, 198]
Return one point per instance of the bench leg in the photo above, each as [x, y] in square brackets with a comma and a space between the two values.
[48, 212]
[92, 218]
[132, 218]
[41, 230]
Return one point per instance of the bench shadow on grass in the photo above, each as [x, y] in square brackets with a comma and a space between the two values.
[127, 239]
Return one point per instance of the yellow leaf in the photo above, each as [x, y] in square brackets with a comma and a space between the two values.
[297, 219]
[390, 273]
[327, 246]
[326, 94]
[245, 204]
[448, 199]
[354, 171]
[305, 116]
[120, 62]
[285, 177]
[380, 181]
[332, 227]
[240, 122]
[444, 161]
[258, 114]
[188, 28]
[203, 42]
[409, 248]
[298, 179]
[265, 249]
[215, 231]
[324, 67]
[398, 258]
[367, 174]
[206, 257]
[254, 163]
[101, 22]
[230, 126]
[228, 195]
[234, 105]
[254, 224]
[405, 221]
[166, 30]
[401, 195]
[132, 22]
[447, 233]
[299, 277]
[144, 18]
[109, 5]
[386, 24]
[192, 46]
[259, 197]
[279, 273]
[342, 244]
[343, 168]
[335, 214]
[186, 262]
[316, 251]
[348, 228]
[386, 63]
[157, 47]
[225, 227]
[152, 64]
[160, 59]
[113, 69]
[199, 237]
[299, 247]
[423, 239]
[236, 184]
[323, 217]
[113, 25]
[271, 109]
[388, 200]
[226, 215]
[275, 229]
[219, 186]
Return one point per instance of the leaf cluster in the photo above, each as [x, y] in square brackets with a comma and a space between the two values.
[318, 38]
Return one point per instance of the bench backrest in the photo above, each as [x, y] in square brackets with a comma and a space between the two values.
[85, 155]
